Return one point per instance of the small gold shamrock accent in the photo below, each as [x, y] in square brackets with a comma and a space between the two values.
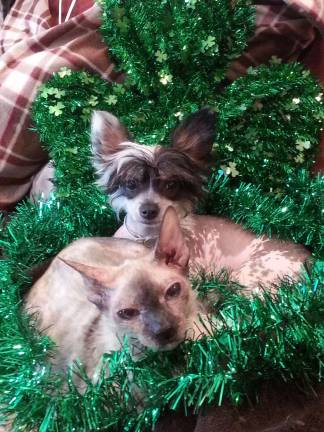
[56, 109]
[301, 145]
[111, 100]
[299, 158]
[86, 78]
[64, 71]
[230, 169]
[86, 113]
[161, 56]
[165, 78]
[59, 93]
[119, 89]
[93, 101]
[208, 43]
[48, 91]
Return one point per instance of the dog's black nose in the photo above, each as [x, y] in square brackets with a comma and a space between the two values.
[149, 211]
[160, 325]
[166, 335]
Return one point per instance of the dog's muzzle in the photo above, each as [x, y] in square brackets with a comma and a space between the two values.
[149, 211]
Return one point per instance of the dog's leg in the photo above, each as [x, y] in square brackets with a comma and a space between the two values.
[42, 184]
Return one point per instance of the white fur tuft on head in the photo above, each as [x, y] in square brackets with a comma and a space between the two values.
[107, 164]
[111, 147]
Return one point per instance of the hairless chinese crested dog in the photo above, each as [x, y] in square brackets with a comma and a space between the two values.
[143, 181]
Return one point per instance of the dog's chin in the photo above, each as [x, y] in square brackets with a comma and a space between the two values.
[154, 346]
[136, 220]
[170, 346]
[153, 223]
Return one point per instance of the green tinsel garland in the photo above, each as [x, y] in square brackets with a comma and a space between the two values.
[297, 216]
[272, 113]
[275, 339]
[258, 113]
[64, 105]
[156, 43]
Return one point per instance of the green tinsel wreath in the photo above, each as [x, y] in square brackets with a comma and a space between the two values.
[176, 54]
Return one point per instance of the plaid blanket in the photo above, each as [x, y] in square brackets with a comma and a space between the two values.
[33, 45]
[38, 37]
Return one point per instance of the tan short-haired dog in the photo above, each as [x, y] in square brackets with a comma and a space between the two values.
[96, 291]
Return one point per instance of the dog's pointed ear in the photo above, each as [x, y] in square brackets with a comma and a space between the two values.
[98, 279]
[195, 135]
[106, 133]
[171, 246]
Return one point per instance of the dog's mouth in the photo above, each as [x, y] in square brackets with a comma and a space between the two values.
[151, 222]
[163, 347]
[156, 222]
[169, 346]
[156, 346]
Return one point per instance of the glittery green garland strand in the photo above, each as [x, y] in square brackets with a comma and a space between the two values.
[276, 340]
[272, 107]
[252, 120]
[156, 43]
[27, 383]
[74, 412]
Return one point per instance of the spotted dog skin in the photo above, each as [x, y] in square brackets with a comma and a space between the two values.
[144, 181]
[218, 243]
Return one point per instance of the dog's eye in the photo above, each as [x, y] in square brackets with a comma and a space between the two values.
[128, 314]
[173, 291]
[131, 184]
[171, 186]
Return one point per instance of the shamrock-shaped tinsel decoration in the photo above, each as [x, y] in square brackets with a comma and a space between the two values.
[175, 55]
[255, 115]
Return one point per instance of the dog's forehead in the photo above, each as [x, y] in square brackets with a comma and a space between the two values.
[136, 158]
[145, 290]
[147, 275]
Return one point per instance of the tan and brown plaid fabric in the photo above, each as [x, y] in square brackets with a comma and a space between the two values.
[281, 31]
[33, 44]
[313, 9]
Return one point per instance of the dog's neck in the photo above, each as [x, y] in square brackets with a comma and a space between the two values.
[148, 234]
[140, 232]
